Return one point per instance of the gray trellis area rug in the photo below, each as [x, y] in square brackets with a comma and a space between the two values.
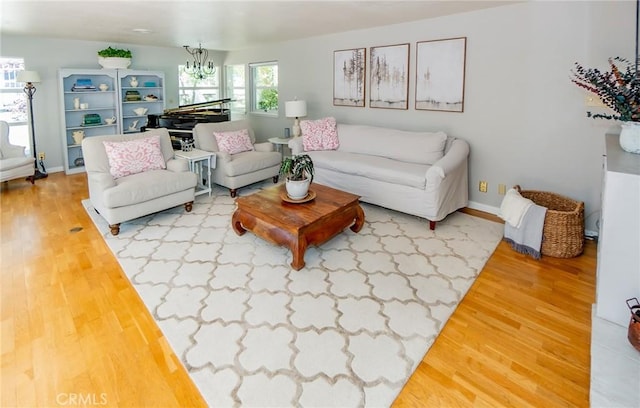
[347, 330]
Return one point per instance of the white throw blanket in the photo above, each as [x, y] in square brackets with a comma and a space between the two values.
[513, 208]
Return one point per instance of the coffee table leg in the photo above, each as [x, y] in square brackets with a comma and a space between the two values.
[357, 226]
[236, 224]
[298, 249]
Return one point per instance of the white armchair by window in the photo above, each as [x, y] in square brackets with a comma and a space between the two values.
[14, 163]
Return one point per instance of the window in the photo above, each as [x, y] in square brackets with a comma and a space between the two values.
[264, 87]
[192, 90]
[235, 89]
[13, 102]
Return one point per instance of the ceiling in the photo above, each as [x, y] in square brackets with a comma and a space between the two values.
[217, 24]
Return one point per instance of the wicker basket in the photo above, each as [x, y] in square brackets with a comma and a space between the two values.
[563, 232]
[633, 333]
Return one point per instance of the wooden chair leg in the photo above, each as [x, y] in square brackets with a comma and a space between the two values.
[115, 229]
[188, 206]
[275, 179]
[432, 225]
[233, 192]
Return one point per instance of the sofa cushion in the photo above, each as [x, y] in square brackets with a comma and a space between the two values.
[233, 141]
[141, 187]
[373, 167]
[13, 162]
[248, 162]
[319, 134]
[410, 147]
[134, 156]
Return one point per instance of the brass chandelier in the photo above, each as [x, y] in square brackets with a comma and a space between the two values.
[200, 68]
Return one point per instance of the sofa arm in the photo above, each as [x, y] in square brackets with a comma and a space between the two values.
[263, 147]
[100, 181]
[223, 157]
[177, 165]
[296, 146]
[456, 156]
[10, 150]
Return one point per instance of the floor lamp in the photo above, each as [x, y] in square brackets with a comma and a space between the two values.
[30, 78]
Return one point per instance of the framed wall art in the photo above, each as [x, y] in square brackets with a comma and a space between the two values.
[440, 66]
[389, 76]
[349, 77]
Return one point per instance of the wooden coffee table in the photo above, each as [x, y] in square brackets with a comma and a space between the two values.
[298, 225]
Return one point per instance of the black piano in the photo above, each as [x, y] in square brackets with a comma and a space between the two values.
[180, 121]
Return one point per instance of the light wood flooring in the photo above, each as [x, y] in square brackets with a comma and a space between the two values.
[75, 333]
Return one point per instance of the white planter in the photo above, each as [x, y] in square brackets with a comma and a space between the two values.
[297, 189]
[114, 62]
[630, 137]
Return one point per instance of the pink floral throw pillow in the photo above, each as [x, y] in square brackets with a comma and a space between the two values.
[134, 156]
[319, 134]
[234, 141]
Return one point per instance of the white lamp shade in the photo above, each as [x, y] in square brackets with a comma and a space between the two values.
[28, 76]
[295, 109]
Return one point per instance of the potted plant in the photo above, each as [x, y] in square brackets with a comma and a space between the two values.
[114, 58]
[619, 89]
[298, 171]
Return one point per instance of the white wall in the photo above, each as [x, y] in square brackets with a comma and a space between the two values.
[48, 55]
[523, 117]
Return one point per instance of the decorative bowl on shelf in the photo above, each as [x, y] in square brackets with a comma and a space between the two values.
[140, 111]
[151, 98]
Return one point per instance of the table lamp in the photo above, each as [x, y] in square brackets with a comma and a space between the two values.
[295, 109]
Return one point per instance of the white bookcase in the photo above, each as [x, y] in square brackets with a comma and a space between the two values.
[149, 86]
[83, 87]
[74, 90]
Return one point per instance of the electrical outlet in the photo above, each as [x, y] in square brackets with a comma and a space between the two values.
[483, 186]
[502, 189]
[41, 156]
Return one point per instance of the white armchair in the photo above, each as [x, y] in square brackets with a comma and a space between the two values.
[13, 162]
[241, 169]
[121, 198]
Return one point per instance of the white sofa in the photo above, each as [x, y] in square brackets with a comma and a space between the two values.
[418, 173]
[241, 169]
[135, 195]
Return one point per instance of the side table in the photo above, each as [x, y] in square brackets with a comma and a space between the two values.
[279, 143]
[198, 158]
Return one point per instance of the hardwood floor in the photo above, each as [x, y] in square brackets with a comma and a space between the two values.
[75, 333]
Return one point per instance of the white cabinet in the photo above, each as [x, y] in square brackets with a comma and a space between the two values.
[618, 276]
[142, 94]
[90, 98]
[84, 106]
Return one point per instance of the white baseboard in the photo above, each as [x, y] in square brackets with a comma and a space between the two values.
[483, 207]
[55, 169]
